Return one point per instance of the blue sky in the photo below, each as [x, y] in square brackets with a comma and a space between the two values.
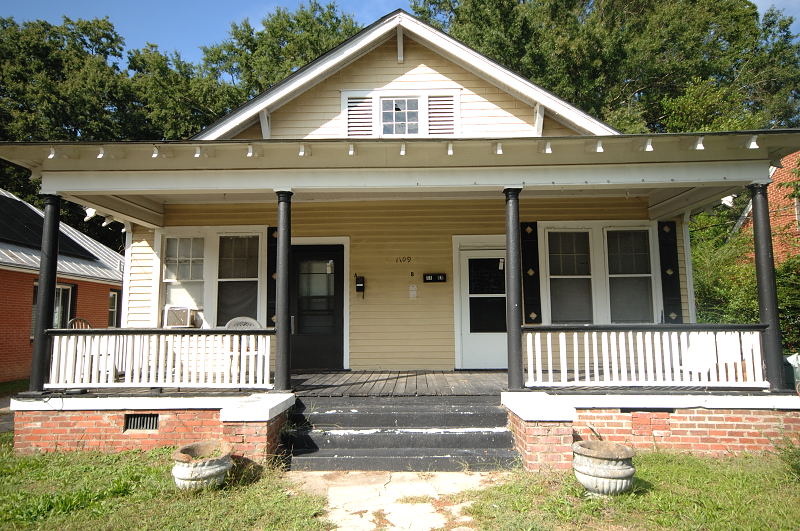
[185, 25]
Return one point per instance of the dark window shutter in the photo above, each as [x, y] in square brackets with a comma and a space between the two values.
[272, 257]
[531, 291]
[670, 277]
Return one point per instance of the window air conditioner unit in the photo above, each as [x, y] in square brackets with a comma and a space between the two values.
[180, 317]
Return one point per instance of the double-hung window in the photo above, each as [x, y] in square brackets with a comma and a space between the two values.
[184, 260]
[237, 279]
[598, 274]
[62, 306]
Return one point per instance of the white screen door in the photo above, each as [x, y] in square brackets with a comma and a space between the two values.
[483, 310]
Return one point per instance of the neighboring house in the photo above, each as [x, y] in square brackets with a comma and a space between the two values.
[784, 210]
[403, 203]
[89, 282]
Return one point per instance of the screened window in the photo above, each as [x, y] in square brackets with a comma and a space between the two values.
[237, 284]
[400, 116]
[183, 272]
[570, 277]
[630, 280]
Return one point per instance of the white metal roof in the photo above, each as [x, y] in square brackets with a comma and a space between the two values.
[107, 268]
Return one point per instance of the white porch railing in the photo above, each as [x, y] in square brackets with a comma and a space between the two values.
[125, 357]
[644, 355]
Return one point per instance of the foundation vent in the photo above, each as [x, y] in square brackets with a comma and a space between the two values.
[141, 421]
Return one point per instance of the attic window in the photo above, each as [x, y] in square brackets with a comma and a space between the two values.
[418, 113]
[400, 116]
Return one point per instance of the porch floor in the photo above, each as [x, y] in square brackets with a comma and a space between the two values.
[400, 383]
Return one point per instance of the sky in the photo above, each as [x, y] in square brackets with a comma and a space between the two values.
[186, 25]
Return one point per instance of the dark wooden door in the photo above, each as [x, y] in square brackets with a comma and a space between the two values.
[317, 307]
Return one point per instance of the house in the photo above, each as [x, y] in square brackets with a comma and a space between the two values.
[88, 285]
[784, 210]
[395, 216]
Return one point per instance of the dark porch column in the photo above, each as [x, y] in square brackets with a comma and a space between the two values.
[283, 332]
[46, 292]
[513, 289]
[767, 292]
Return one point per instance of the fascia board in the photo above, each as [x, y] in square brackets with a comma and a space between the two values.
[313, 75]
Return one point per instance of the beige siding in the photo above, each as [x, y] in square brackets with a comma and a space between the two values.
[552, 128]
[251, 133]
[387, 329]
[143, 268]
[485, 109]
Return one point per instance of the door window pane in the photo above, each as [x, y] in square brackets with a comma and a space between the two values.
[631, 300]
[316, 297]
[487, 314]
[486, 276]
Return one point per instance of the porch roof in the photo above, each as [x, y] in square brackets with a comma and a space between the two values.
[134, 180]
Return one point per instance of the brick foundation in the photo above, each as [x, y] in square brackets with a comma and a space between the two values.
[49, 431]
[697, 430]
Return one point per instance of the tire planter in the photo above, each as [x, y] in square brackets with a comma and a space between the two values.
[195, 468]
[603, 468]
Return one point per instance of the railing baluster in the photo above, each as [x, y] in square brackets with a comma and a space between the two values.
[575, 358]
[595, 358]
[586, 357]
[623, 356]
[529, 357]
[657, 357]
[614, 353]
[562, 356]
[604, 349]
[550, 358]
[539, 358]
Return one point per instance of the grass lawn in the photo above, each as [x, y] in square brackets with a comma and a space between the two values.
[135, 490]
[672, 491]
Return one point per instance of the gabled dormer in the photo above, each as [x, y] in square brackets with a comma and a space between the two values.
[401, 78]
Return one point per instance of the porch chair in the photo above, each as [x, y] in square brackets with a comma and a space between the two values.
[248, 347]
[78, 323]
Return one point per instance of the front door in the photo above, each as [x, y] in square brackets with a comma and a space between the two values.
[317, 306]
[483, 310]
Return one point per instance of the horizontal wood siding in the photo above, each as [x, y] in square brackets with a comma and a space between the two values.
[552, 128]
[143, 268]
[388, 330]
[485, 109]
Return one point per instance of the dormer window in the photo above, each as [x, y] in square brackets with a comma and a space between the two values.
[379, 114]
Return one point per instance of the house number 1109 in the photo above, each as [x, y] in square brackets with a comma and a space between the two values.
[402, 260]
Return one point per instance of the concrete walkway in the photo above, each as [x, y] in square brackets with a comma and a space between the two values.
[394, 500]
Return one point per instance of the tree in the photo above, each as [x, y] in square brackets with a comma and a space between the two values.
[642, 65]
[254, 60]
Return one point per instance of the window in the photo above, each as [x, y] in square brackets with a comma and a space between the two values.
[598, 274]
[415, 113]
[400, 116]
[570, 277]
[62, 310]
[113, 309]
[183, 272]
[237, 285]
[629, 279]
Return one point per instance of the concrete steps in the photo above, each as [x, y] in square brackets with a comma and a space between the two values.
[406, 433]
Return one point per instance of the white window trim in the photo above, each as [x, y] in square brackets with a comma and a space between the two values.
[211, 236]
[378, 94]
[601, 291]
[59, 285]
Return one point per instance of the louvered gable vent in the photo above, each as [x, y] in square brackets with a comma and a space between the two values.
[441, 115]
[359, 116]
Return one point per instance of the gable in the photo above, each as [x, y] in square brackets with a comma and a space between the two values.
[492, 94]
[480, 108]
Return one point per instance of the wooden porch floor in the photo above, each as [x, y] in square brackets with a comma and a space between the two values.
[400, 383]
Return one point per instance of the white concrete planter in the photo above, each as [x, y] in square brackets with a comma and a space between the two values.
[195, 468]
[603, 468]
